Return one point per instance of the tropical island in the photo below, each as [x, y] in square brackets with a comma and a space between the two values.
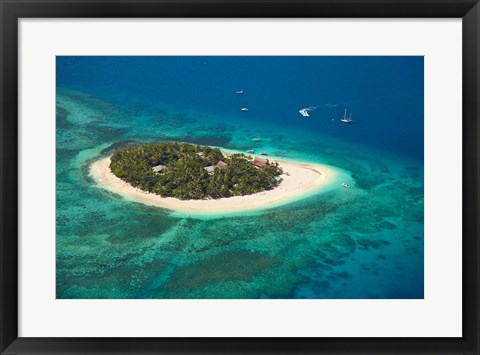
[201, 179]
[193, 172]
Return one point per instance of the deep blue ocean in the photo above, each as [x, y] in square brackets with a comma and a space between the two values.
[363, 242]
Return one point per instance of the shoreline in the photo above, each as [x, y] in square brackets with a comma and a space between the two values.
[302, 178]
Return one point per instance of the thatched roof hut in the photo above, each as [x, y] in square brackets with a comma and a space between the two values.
[221, 165]
[260, 162]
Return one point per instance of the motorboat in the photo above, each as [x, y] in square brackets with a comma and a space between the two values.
[346, 185]
[304, 112]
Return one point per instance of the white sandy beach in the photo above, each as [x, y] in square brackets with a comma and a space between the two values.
[302, 178]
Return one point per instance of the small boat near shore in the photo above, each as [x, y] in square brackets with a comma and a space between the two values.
[263, 153]
[250, 151]
[346, 185]
[257, 139]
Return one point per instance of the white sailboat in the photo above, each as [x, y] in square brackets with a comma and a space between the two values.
[346, 119]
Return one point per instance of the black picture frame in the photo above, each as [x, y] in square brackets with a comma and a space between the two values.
[12, 11]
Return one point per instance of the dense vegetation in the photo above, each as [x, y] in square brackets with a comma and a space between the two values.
[184, 176]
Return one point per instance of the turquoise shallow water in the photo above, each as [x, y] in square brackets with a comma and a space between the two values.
[363, 242]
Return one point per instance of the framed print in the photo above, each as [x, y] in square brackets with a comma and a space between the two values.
[260, 177]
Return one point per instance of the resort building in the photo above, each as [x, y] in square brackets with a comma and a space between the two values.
[210, 169]
[158, 168]
[260, 162]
